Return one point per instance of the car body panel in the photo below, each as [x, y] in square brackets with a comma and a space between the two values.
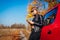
[52, 31]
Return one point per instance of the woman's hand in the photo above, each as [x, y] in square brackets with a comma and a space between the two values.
[30, 22]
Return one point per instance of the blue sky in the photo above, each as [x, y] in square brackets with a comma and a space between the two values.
[13, 11]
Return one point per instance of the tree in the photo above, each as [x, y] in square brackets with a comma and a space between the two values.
[18, 26]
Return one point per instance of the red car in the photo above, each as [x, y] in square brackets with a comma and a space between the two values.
[52, 30]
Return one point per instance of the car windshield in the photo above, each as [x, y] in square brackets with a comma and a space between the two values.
[50, 16]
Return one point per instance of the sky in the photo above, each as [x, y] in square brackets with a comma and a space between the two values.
[13, 11]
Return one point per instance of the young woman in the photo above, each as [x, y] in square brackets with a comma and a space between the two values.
[36, 24]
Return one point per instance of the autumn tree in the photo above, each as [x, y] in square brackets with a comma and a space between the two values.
[18, 26]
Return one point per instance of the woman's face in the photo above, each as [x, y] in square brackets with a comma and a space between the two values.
[35, 12]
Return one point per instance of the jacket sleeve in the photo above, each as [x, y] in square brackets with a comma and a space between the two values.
[41, 21]
[38, 24]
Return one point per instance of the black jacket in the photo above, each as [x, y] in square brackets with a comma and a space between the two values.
[38, 20]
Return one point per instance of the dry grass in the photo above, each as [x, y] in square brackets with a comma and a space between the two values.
[12, 34]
